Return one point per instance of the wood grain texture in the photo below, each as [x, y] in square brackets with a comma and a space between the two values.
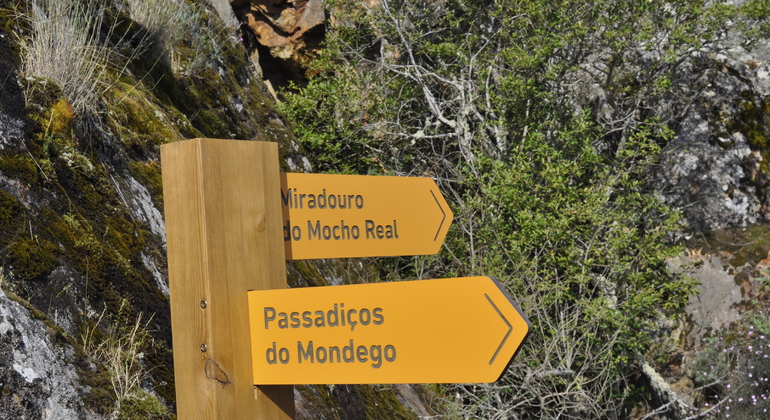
[224, 233]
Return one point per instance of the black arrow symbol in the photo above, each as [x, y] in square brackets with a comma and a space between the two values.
[510, 329]
[442, 212]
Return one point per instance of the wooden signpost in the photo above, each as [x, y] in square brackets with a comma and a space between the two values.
[223, 231]
[232, 220]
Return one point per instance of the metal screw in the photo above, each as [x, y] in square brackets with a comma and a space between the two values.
[204, 348]
[203, 304]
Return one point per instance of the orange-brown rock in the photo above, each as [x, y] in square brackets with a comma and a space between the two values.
[280, 24]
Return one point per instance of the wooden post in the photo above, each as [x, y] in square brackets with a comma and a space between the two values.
[224, 238]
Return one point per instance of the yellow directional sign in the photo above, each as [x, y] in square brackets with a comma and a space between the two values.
[344, 216]
[464, 330]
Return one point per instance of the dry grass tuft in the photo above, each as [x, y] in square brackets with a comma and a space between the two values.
[166, 21]
[119, 348]
[65, 49]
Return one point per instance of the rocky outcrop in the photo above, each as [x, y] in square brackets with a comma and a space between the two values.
[716, 168]
[285, 29]
[716, 100]
[37, 375]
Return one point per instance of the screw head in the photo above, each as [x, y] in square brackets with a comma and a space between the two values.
[204, 348]
[204, 304]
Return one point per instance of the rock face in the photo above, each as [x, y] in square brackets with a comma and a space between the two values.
[716, 169]
[284, 28]
[37, 377]
[716, 304]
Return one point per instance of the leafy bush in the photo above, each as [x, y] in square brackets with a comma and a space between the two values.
[543, 124]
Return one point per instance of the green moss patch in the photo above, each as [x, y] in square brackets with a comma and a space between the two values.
[11, 25]
[142, 406]
[382, 402]
[753, 121]
[26, 254]
[142, 124]
[148, 174]
[41, 94]
[747, 245]
[18, 165]
[31, 258]
[11, 212]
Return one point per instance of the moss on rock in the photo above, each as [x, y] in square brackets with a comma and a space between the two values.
[31, 258]
[18, 165]
[142, 406]
[10, 217]
[744, 245]
[381, 401]
[753, 121]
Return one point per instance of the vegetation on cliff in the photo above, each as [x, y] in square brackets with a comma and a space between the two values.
[544, 123]
[91, 89]
[96, 87]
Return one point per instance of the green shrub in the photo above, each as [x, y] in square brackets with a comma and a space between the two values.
[542, 124]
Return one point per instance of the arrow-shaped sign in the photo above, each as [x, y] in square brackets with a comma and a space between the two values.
[464, 330]
[344, 216]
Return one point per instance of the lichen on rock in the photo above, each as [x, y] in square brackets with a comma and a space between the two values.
[715, 169]
[37, 373]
